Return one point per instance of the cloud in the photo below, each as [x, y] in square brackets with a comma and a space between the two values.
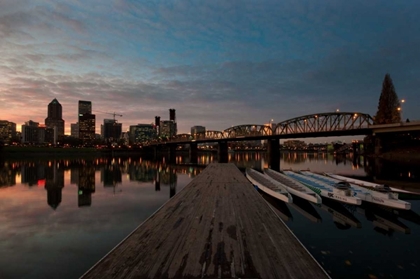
[215, 62]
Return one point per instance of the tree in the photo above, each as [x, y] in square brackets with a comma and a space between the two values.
[389, 104]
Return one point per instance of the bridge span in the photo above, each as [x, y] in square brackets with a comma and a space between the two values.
[313, 125]
[307, 126]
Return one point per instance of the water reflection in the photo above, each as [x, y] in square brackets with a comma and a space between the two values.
[68, 202]
[305, 208]
[342, 218]
[385, 222]
[54, 183]
[50, 175]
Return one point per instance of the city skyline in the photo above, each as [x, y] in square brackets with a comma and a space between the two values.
[218, 63]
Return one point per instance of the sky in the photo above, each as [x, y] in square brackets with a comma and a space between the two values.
[218, 63]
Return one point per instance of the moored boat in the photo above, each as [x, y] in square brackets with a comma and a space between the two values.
[342, 194]
[383, 196]
[294, 187]
[376, 186]
[268, 186]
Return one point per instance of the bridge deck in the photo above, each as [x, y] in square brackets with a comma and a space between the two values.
[217, 227]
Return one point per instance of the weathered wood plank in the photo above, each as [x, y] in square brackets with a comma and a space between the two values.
[217, 227]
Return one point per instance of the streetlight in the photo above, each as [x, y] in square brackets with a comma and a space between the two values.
[271, 123]
[400, 109]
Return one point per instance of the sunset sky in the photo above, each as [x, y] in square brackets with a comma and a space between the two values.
[218, 63]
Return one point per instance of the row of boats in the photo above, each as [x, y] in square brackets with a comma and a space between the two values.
[313, 187]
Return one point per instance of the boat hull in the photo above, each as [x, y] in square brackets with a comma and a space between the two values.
[332, 195]
[309, 196]
[278, 195]
[387, 199]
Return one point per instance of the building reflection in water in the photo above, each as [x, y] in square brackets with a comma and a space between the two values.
[54, 183]
[111, 174]
[157, 181]
[8, 172]
[33, 174]
[86, 183]
[49, 174]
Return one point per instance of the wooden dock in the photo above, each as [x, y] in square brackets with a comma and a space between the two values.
[218, 226]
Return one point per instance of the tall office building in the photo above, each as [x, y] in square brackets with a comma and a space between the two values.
[111, 130]
[86, 121]
[55, 118]
[168, 128]
[74, 130]
[85, 107]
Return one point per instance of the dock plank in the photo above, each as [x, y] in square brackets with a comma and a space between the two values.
[218, 226]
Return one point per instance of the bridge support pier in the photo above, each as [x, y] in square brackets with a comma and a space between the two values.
[172, 154]
[273, 149]
[377, 145]
[223, 152]
[193, 153]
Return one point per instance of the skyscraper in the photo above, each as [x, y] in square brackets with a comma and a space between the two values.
[112, 130]
[55, 118]
[86, 121]
[85, 107]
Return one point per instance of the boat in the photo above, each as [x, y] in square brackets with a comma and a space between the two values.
[294, 187]
[268, 186]
[383, 196]
[342, 194]
[376, 186]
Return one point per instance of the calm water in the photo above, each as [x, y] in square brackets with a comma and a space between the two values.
[58, 218]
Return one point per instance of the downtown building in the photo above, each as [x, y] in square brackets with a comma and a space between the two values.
[197, 130]
[111, 130]
[55, 120]
[141, 133]
[74, 130]
[34, 133]
[167, 128]
[86, 121]
[30, 131]
[7, 131]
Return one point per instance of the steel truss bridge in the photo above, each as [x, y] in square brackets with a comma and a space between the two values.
[313, 125]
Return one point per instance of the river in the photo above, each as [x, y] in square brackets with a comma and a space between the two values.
[59, 217]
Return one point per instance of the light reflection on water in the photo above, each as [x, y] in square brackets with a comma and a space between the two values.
[60, 217]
